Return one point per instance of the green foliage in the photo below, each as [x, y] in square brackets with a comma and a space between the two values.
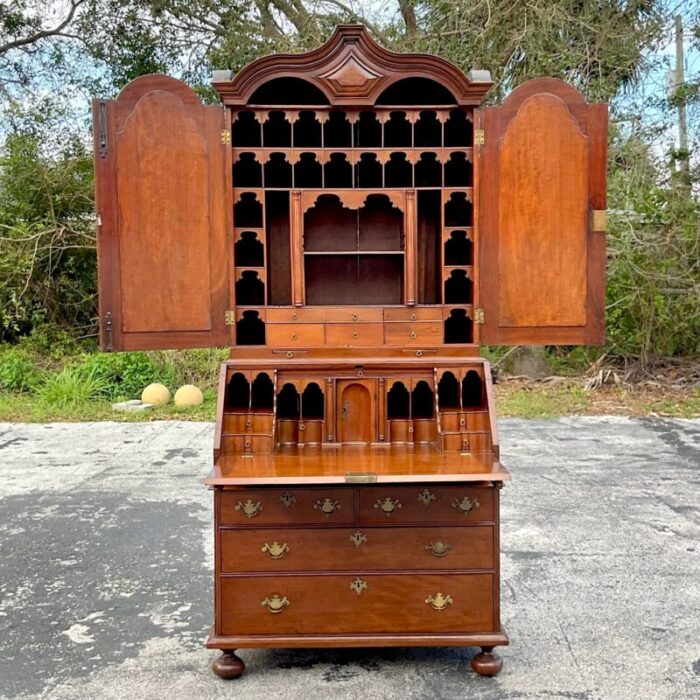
[69, 389]
[124, 375]
[17, 370]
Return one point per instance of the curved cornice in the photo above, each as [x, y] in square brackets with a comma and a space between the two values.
[351, 69]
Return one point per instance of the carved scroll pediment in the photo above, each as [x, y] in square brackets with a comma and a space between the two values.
[351, 77]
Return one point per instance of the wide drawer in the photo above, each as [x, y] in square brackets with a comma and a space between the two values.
[253, 507]
[294, 334]
[356, 603]
[354, 334]
[361, 549]
[410, 504]
[413, 314]
[412, 333]
[342, 314]
[294, 315]
[247, 423]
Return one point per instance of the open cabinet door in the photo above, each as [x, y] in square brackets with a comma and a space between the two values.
[163, 176]
[541, 173]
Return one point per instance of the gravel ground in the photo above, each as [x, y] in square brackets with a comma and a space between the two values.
[106, 571]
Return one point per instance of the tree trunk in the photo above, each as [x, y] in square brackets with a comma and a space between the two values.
[531, 361]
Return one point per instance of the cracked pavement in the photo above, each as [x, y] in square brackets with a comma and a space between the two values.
[106, 558]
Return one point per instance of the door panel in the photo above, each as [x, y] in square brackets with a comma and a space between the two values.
[541, 175]
[356, 411]
[164, 210]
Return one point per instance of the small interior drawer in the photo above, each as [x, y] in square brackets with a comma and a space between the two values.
[345, 314]
[413, 314]
[398, 333]
[354, 334]
[292, 315]
[295, 334]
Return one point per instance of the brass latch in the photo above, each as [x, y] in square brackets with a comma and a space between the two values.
[360, 478]
[225, 137]
[230, 318]
[479, 138]
[478, 315]
[599, 220]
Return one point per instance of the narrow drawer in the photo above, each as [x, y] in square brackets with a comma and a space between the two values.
[253, 507]
[355, 334]
[479, 442]
[477, 420]
[233, 444]
[311, 432]
[418, 333]
[455, 442]
[247, 423]
[410, 504]
[356, 604]
[362, 549]
[450, 421]
[343, 314]
[295, 334]
[415, 314]
[424, 430]
[292, 315]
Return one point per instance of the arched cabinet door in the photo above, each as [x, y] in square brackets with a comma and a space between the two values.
[541, 180]
[163, 204]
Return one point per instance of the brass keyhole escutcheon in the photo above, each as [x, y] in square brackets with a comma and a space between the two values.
[327, 506]
[354, 334]
[413, 317]
[275, 603]
[438, 549]
[302, 427]
[294, 336]
[413, 335]
[358, 538]
[439, 601]
[249, 424]
[388, 505]
[294, 316]
[354, 317]
[286, 499]
[426, 497]
[358, 585]
[466, 504]
[249, 509]
[275, 550]
[344, 410]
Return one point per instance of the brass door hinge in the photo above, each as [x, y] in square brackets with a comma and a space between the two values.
[478, 315]
[599, 219]
[230, 318]
[479, 138]
[225, 137]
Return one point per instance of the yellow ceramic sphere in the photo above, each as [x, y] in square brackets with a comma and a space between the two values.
[157, 394]
[188, 395]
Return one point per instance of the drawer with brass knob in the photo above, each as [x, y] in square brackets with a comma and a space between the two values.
[420, 332]
[415, 504]
[356, 549]
[357, 603]
[280, 506]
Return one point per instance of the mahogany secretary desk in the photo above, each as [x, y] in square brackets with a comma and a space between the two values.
[353, 225]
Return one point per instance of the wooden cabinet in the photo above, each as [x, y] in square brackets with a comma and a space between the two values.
[353, 225]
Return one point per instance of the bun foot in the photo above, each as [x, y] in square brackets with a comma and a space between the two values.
[487, 663]
[228, 666]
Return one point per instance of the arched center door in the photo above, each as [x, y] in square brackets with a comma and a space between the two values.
[355, 411]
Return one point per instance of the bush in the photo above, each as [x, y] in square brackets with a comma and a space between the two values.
[69, 388]
[124, 375]
[17, 371]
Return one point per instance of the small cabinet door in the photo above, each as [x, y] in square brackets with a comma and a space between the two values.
[356, 410]
[162, 172]
[541, 182]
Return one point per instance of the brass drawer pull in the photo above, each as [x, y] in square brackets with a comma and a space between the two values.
[302, 427]
[412, 335]
[388, 505]
[294, 316]
[439, 601]
[438, 549]
[354, 317]
[426, 497]
[275, 604]
[413, 317]
[327, 506]
[249, 509]
[357, 538]
[466, 504]
[275, 550]
[294, 336]
[358, 585]
[286, 499]
[354, 334]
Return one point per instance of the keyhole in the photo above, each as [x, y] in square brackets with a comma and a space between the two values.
[344, 411]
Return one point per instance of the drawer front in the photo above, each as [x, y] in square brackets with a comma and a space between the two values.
[253, 507]
[356, 604]
[247, 423]
[413, 333]
[294, 334]
[450, 421]
[354, 334]
[416, 314]
[349, 314]
[247, 443]
[455, 442]
[301, 315]
[388, 505]
[361, 549]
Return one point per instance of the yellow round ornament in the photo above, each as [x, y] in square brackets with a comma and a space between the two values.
[188, 395]
[157, 394]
